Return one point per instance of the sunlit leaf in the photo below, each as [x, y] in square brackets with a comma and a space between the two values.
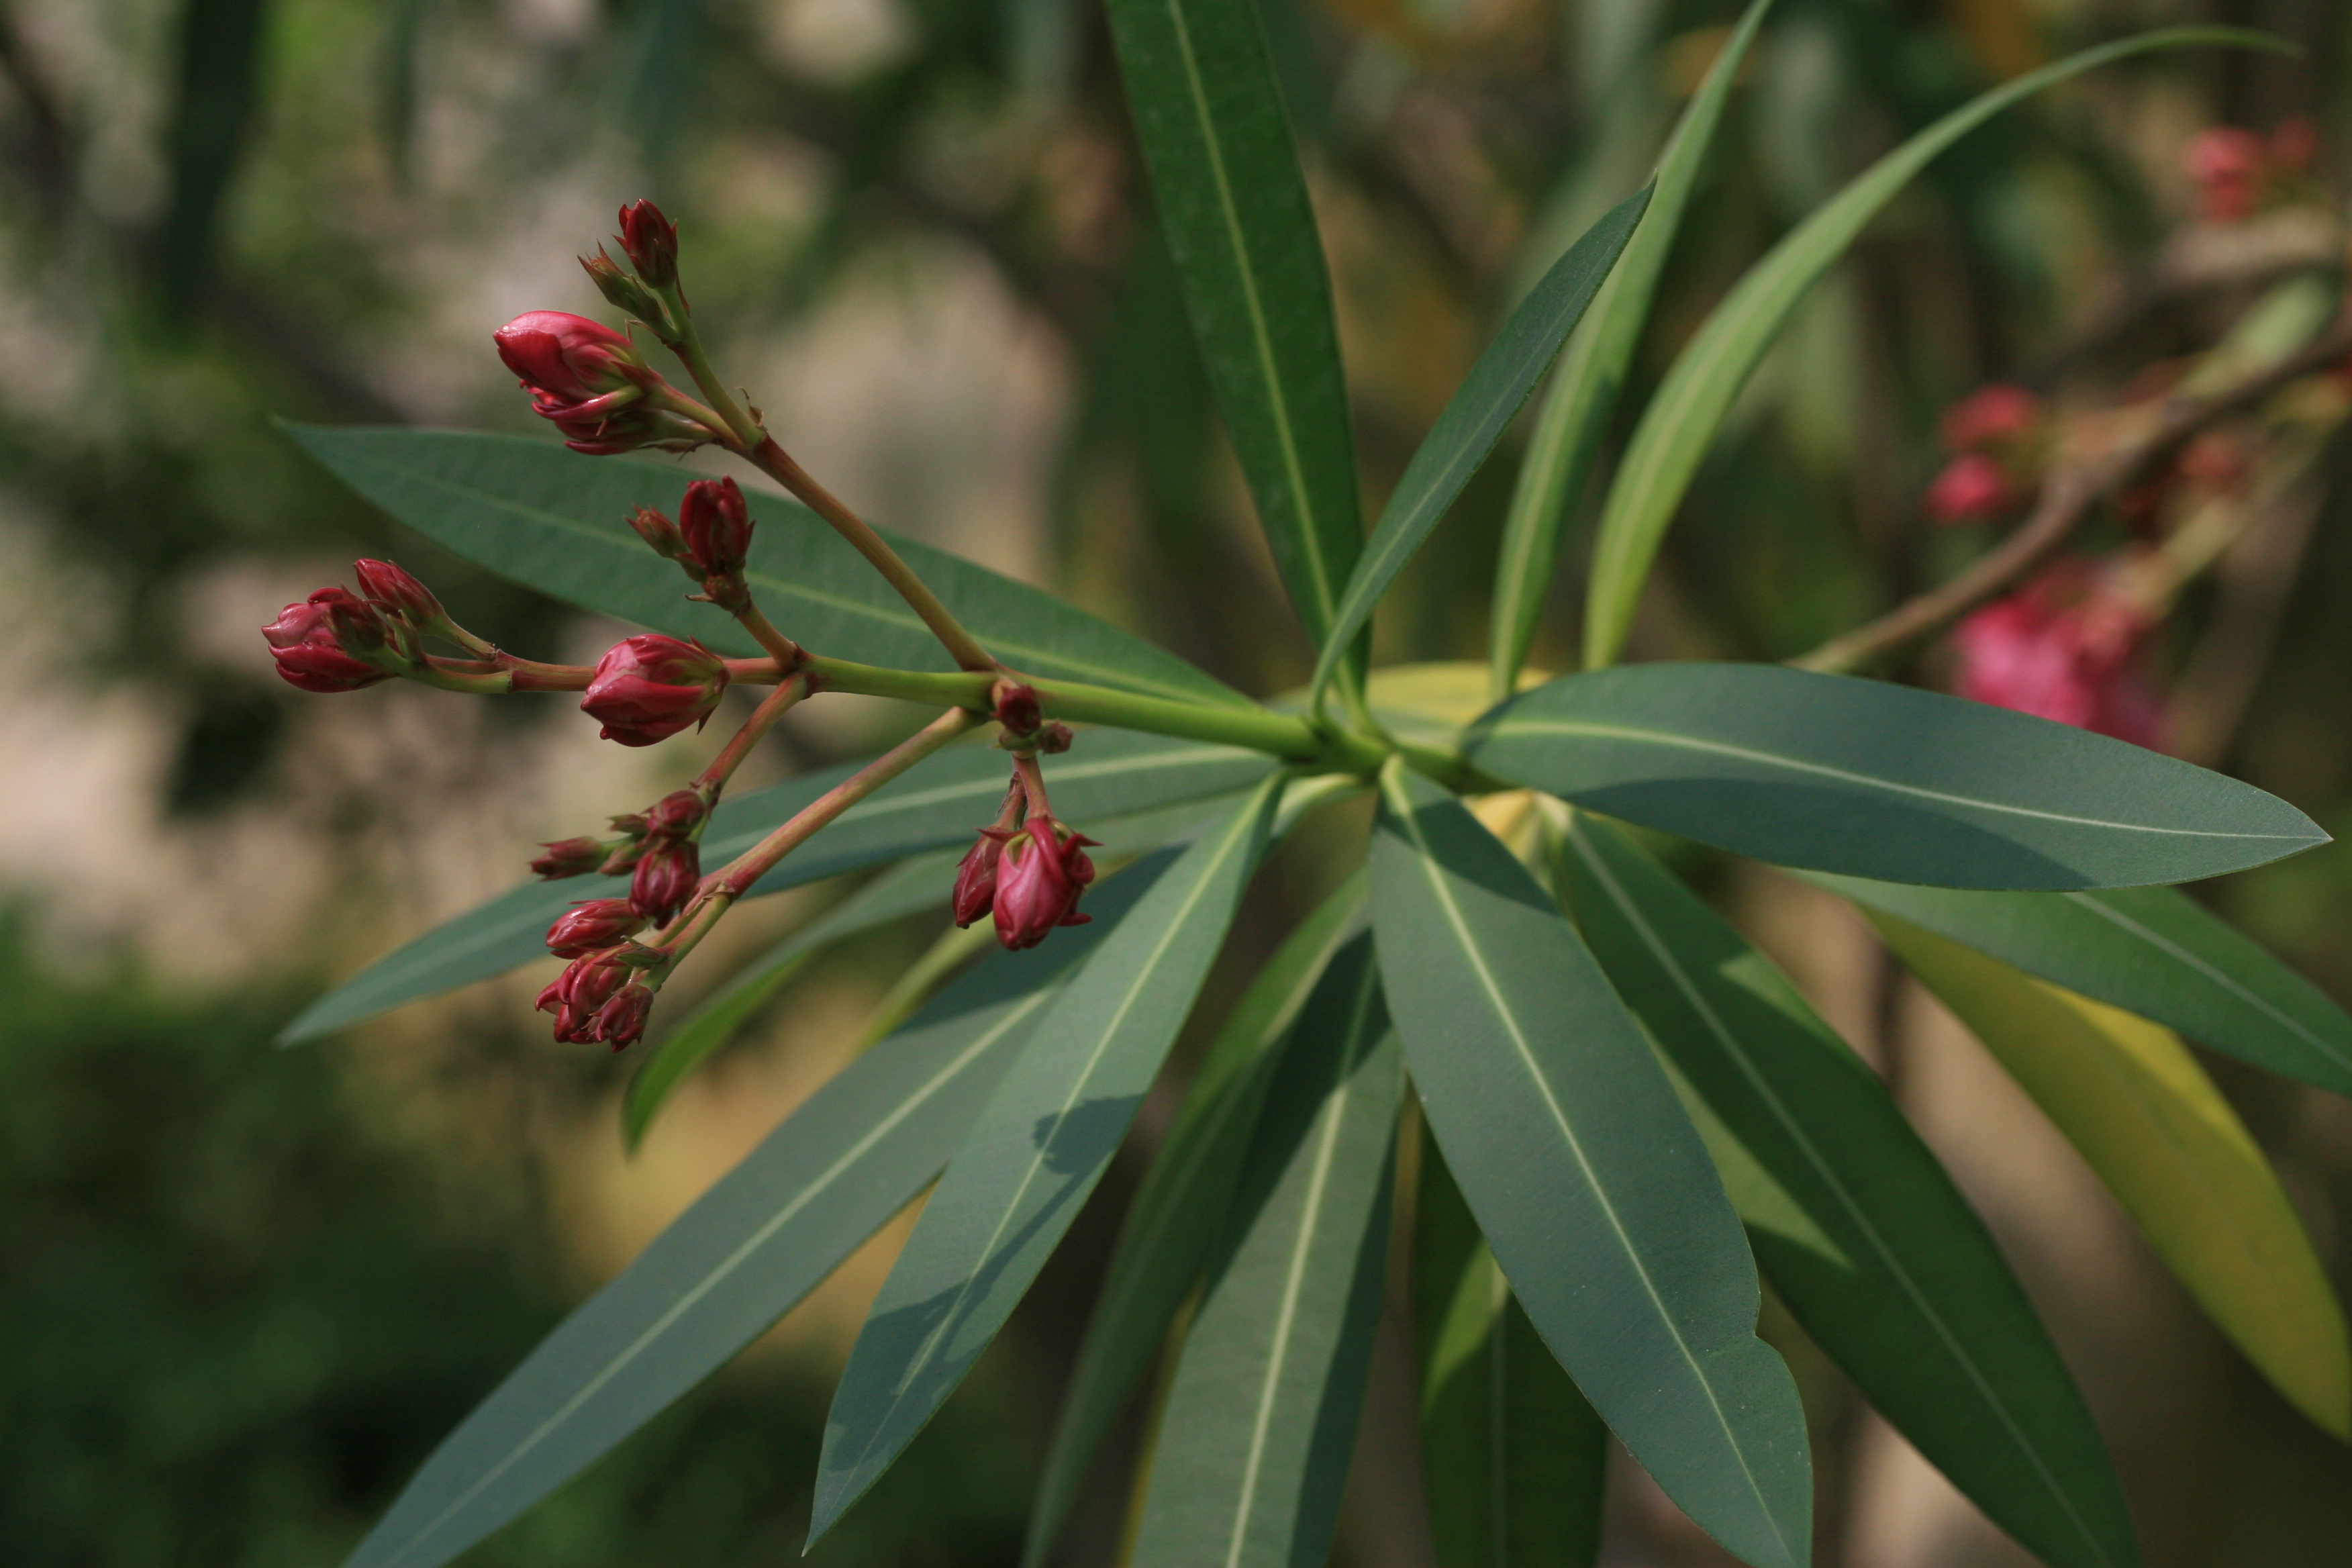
[1839, 775]
[1473, 419]
[1033, 1156]
[823, 1181]
[1585, 1173]
[1165, 1239]
[1681, 421]
[1260, 1419]
[2151, 951]
[1584, 395]
[1514, 1461]
[2127, 1094]
[1853, 1221]
[937, 802]
[1233, 204]
[557, 521]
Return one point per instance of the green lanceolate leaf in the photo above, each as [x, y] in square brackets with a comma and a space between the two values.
[2151, 951]
[1514, 1459]
[1233, 204]
[1260, 1420]
[1852, 1219]
[906, 889]
[936, 804]
[823, 1181]
[1165, 1239]
[1475, 417]
[1834, 773]
[1034, 1154]
[1585, 1173]
[556, 521]
[1681, 421]
[1584, 395]
[2129, 1095]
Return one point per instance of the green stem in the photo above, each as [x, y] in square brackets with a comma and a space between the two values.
[763, 718]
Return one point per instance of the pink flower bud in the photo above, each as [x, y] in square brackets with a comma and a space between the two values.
[569, 857]
[2228, 167]
[1018, 709]
[580, 990]
[678, 814]
[1972, 487]
[1990, 416]
[975, 879]
[648, 688]
[302, 640]
[589, 381]
[620, 1022]
[716, 525]
[2064, 648]
[664, 879]
[1038, 881]
[393, 589]
[659, 532]
[591, 927]
[651, 241]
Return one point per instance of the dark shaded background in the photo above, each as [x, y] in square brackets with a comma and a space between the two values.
[243, 1291]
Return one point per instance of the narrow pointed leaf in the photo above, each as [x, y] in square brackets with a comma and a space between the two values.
[1584, 395]
[1513, 1460]
[1681, 421]
[1852, 1219]
[816, 1188]
[937, 803]
[2151, 951]
[1233, 203]
[1585, 1173]
[1034, 1154]
[1834, 773]
[1475, 418]
[1166, 1237]
[557, 521]
[2129, 1095]
[1260, 1421]
[906, 889]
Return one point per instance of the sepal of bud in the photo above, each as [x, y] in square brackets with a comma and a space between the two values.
[569, 857]
[650, 241]
[648, 688]
[592, 926]
[623, 291]
[661, 535]
[666, 878]
[716, 526]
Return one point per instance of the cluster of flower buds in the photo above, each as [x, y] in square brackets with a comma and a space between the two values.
[590, 382]
[598, 997]
[2235, 172]
[2064, 646]
[1022, 727]
[337, 640]
[1998, 436]
[710, 539]
[648, 688]
[1026, 869]
[650, 242]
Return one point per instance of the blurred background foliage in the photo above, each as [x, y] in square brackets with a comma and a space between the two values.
[245, 1290]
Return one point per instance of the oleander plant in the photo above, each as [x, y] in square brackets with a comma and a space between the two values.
[1512, 1045]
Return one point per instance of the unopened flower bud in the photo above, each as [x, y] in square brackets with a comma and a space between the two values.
[659, 532]
[624, 293]
[577, 995]
[1991, 416]
[568, 858]
[2229, 167]
[1038, 882]
[397, 591]
[666, 878]
[1971, 488]
[1018, 709]
[651, 241]
[716, 526]
[678, 814]
[592, 926]
[590, 382]
[620, 1022]
[648, 688]
[1053, 738]
[975, 879]
[309, 654]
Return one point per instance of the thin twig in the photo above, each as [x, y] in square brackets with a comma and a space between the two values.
[2068, 496]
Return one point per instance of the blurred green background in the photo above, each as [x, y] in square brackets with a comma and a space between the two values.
[243, 1291]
